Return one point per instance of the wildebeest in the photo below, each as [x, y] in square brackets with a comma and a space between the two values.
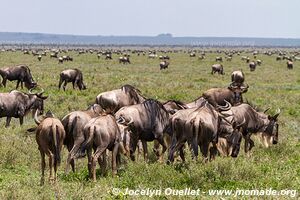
[164, 65]
[278, 58]
[73, 124]
[147, 121]
[218, 58]
[50, 135]
[258, 62]
[232, 94]
[124, 60]
[193, 54]
[108, 56]
[21, 73]
[164, 57]
[60, 60]
[217, 68]
[101, 133]
[238, 77]
[17, 104]
[39, 57]
[71, 75]
[252, 66]
[172, 106]
[255, 122]
[112, 101]
[289, 64]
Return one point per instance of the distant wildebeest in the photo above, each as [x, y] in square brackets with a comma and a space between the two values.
[238, 77]
[73, 124]
[21, 73]
[193, 54]
[60, 60]
[278, 58]
[218, 58]
[252, 66]
[112, 101]
[71, 75]
[164, 65]
[108, 57]
[258, 62]
[50, 135]
[228, 58]
[217, 68]
[164, 57]
[201, 57]
[17, 104]
[124, 60]
[152, 56]
[289, 64]
[39, 57]
[54, 55]
[147, 121]
[232, 94]
[101, 133]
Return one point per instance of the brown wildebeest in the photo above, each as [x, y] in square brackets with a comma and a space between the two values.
[71, 75]
[164, 65]
[217, 68]
[60, 60]
[50, 135]
[232, 94]
[108, 56]
[17, 104]
[258, 62]
[289, 64]
[21, 73]
[124, 60]
[101, 133]
[73, 124]
[252, 66]
[39, 57]
[238, 77]
[219, 59]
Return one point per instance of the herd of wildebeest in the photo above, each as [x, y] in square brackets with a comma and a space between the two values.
[123, 120]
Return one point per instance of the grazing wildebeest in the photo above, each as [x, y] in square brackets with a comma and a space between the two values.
[112, 101]
[278, 58]
[217, 68]
[258, 62]
[252, 66]
[73, 124]
[193, 54]
[232, 94]
[147, 121]
[20, 73]
[255, 122]
[218, 58]
[50, 135]
[163, 65]
[289, 64]
[39, 57]
[17, 104]
[238, 77]
[124, 60]
[108, 56]
[228, 58]
[71, 75]
[101, 133]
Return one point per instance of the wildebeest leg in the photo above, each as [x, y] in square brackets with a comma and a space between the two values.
[64, 86]
[181, 153]
[51, 163]
[156, 147]
[73, 84]
[21, 119]
[114, 159]
[103, 163]
[213, 152]
[89, 155]
[4, 81]
[195, 149]
[72, 153]
[99, 151]
[18, 84]
[145, 148]
[21, 84]
[204, 150]
[43, 165]
[140, 149]
[164, 147]
[60, 82]
[7, 121]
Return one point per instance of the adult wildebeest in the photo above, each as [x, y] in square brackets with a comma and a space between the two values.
[193, 54]
[124, 60]
[112, 101]
[258, 62]
[255, 122]
[60, 60]
[71, 75]
[108, 56]
[218, 58]
[217, 68]
[164, 65]
[147, 121]
[101, 133]
[278, 58]
[232, 94]
[73, 124]
[39, 57]
[172, 106]
[252, 66]
[21, 73]
[238, 78]
[17, 104]
[289, 64]
[50, 135]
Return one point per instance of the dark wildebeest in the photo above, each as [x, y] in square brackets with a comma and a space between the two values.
[17, 104]
[289, 64]
[255, 122]
[50, 135]
[73, 124]
[20, 73]
[108, 56]
[71, 75]
[237, 78]
[232, 94]
[219, 59]
[193, 54]
[60, 60]
[39, 57]
[217, 68]
[147, 121]
[164, 65]
[112, 101]
[252, 66]
[101, 133]
[124, 60]
[258, 62]
[278, 58]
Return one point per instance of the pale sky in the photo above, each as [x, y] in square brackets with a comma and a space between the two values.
[223, 18]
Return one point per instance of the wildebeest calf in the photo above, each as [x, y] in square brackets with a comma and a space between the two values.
[71, 75]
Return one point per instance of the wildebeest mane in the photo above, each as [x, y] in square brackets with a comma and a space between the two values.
[153, 109]
[132, 91]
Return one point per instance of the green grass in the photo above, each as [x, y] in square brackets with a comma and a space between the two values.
[271, 85]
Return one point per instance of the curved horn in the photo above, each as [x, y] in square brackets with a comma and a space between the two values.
[30, 91]
[246, 86]
[277, 113]
[224, 108]
[121, 120]
[36, 120]
[242, 123]
[232, 85]
[267, 110]
[130, 121]
[40, 93]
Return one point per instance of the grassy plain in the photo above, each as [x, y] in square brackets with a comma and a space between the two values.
[271, 85]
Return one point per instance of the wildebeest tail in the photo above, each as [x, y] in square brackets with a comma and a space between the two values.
[89, 137]
[56, 142]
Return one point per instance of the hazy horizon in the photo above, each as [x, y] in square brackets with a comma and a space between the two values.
[215, 18]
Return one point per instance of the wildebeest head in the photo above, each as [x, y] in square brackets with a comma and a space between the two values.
[28, 80]
[237, 92]
[79, 80]
[38, 103]
[272, 127]
[234, 139]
